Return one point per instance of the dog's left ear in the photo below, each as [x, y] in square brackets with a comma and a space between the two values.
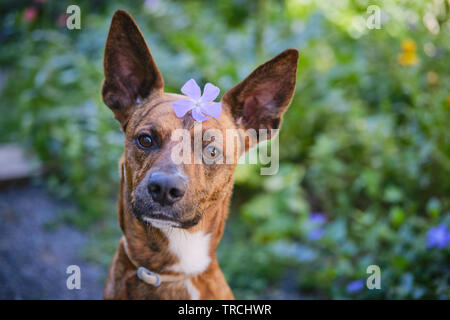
[260, 100]
[131, 73]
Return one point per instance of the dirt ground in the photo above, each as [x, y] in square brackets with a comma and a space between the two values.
[35, 251]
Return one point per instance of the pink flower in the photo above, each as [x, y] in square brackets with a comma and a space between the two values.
[62, 18]
[30, 14]
[202, 106]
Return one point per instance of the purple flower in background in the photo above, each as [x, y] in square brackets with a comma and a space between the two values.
[150, 3]
[355, 286]
[438, 237]
[317, 218]
[202, 106]
[316, 234]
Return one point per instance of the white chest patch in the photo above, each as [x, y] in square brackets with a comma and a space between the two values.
[192, 290]
[191, 249]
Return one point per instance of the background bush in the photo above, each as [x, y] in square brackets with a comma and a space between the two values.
[364, 149]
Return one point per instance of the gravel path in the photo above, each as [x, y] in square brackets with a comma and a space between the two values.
[33, 256]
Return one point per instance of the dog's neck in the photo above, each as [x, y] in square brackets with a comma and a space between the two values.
[168, 250]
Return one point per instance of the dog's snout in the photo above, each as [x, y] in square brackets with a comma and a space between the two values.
[166, 189]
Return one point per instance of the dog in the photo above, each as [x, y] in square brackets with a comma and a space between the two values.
[173, 215]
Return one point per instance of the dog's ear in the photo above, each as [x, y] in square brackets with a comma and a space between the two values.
[130, 71]
[260, 100]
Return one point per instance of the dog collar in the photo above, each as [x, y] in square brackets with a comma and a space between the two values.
[148, 276]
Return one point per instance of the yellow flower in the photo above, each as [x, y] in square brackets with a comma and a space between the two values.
[408, 56]
[409, 46]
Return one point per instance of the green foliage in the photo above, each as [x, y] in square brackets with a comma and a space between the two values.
[365, 141]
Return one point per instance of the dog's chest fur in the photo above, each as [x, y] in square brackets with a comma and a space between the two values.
[191, 253]
[191, 249]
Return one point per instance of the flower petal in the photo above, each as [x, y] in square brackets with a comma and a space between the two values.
[181, 107]
[210, 93]
[198, 116]
[212, 109]
[191, 89]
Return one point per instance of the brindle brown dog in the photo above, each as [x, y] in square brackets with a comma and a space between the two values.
[173, 215]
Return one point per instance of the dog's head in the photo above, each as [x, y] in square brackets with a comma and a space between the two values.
[162, 189]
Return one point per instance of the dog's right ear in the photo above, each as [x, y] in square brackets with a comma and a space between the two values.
[131, 73]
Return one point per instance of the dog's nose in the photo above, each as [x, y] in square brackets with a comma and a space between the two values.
[166, 188]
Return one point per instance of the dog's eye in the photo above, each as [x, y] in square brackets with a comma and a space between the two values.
[211, 154]
[144, 141]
